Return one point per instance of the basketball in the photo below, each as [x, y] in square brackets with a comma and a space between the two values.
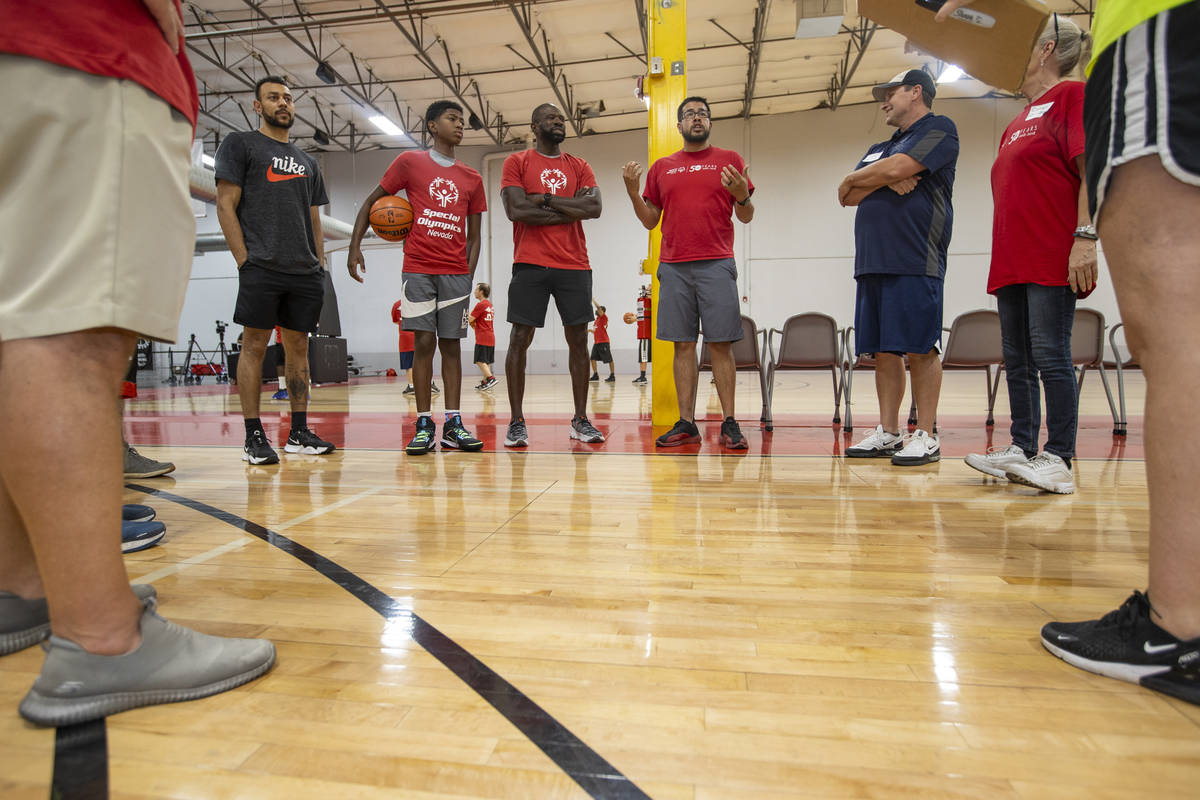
[630, 317]
[391, 218]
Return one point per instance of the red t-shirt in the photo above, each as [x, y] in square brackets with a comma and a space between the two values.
[442, 198]
[111, 38]
[697, 211]
[406, 342]
[643, 317]
[601, 332]
[557, 246]
[485, 331]
[1035, 190]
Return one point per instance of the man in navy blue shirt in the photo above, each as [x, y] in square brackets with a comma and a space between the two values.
[902, 188]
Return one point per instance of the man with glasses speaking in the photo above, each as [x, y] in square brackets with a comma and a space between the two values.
[696, 192]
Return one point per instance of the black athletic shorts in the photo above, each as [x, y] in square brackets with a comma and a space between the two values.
[267, 298]
[532, 286]
[1143, 98]
[644, 351]
[602, 351]
[485, 354]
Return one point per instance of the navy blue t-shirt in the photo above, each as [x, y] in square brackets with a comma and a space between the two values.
[909, 234]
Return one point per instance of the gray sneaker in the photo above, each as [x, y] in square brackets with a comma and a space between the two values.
[172, 664]
[138, 466]
[517, 436]
[583, 430]
[24, 623]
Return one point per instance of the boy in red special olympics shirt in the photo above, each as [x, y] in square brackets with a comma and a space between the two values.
[602, 349]
[440, 255]
[694, 192]
[482, 316]
[547, 194]
[643, 332]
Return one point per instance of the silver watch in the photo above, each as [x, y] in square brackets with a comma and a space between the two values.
[1086, 232]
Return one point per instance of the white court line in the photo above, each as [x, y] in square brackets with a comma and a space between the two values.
[244, 540]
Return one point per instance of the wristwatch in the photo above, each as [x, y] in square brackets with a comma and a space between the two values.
[546, 201]
[1086, 232]
[743, 202]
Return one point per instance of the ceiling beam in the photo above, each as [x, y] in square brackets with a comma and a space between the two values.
[550, 69]
[860, 38]
[761, 12]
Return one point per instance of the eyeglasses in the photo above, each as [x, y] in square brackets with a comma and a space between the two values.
[1056, 31]
[695, 115]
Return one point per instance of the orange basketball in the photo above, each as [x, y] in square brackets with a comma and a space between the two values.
[391, 218]
[630, 317]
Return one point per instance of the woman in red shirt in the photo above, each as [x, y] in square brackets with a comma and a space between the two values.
[1043, 258]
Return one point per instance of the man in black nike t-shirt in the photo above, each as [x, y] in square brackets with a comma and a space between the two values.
[269, 194]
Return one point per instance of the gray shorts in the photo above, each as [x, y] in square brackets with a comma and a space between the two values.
[699, 294]
[436, 303]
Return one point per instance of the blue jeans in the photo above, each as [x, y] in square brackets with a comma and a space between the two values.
[1035, 326]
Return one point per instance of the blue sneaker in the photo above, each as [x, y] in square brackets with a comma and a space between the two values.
[131, 512]
[280, 395]
[137, 536]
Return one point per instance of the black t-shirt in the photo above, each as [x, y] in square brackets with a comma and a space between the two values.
[280, 183]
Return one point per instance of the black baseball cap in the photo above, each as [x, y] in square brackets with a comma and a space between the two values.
[913, 77]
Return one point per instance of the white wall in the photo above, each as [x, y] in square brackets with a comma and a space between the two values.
[797, 254]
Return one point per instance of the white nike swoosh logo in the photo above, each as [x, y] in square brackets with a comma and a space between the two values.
[448, 303]
[1161, 648]
[1066, 637]
[412, 308]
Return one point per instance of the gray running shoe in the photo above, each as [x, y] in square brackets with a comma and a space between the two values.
[172, 664]
[583, 430]
[138, 466]
[24, 623]
[517, 436]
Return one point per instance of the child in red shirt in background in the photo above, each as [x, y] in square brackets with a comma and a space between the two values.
[482, 316]
[602, 347]
[406, 346]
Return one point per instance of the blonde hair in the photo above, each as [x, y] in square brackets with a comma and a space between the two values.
[1073, 48]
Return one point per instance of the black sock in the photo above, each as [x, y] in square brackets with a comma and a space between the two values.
[299, 420]
[1066, 461]
[253, 425]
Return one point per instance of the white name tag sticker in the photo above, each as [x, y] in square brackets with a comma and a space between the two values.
[1038, 111]
[872, 157]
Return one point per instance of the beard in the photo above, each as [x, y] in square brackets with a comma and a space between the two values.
[696, 138]
[286, 123]
[554, 136]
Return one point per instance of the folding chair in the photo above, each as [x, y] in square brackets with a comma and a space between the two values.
[806, 342]
[1087, 352]
[974, 343]
[1122, 426]
[747, 357]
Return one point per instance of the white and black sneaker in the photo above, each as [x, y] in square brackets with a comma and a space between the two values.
[517, 436]
[306, 442]
[1044, 471]
[919, 448]
[583, 430]
[996, 460]
[258, 450]
[1126, 644]
[877, 444]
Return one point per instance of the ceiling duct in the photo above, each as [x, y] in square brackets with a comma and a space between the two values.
[816, 19]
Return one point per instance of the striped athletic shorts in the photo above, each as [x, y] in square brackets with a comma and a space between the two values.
[1143, 98]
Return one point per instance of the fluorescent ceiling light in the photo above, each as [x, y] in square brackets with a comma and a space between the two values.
[950, 73]
[386, 125]
[208, 160]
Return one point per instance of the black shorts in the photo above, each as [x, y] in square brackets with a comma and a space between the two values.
[1143, 98]
[644, 351]
[602, 351]
[485, 354]
[530, 290]
[267, 298]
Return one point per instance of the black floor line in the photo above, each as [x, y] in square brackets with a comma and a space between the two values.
[80, 762]
[585, 766]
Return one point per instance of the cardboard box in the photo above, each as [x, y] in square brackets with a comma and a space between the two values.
[996, 55]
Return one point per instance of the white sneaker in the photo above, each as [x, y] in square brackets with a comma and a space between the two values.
[1044, 471]
[996, 460]
[919, 448]
[877, 444]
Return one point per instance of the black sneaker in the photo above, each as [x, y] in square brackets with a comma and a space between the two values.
[425, 438]
[731, 435]
[517, 435]
[611, 379]
[640, 379]
[137, 536]
[306, 442]
[684, 432]
[258, 450]
[456, 437]
[409, 389]
[489, 383]
[1126, 644]
[583, 430]
[433, 387]
[595, 378]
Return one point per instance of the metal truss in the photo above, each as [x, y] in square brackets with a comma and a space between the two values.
[753, 49]
[546, 64]
[860, 37]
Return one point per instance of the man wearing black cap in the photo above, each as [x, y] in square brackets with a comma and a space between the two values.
[902, 188]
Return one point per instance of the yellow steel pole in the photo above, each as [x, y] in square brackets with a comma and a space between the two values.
[666, 86]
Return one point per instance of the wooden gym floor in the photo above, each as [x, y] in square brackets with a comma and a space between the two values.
[610, 621]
